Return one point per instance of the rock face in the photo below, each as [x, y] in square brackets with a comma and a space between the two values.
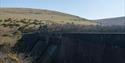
[74, 48]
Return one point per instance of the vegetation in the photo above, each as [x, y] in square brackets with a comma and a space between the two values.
[12, 28]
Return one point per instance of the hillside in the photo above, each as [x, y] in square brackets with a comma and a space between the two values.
[26, 19]
[47, 15]
[120, 21]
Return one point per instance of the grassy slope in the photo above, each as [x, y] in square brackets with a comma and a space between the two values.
[117, 21]
[54, 16]
[41, 16]
[17, 14]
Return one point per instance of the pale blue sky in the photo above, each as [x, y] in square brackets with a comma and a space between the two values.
[90, 9]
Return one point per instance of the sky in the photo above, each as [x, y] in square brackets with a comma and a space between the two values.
[90, 9]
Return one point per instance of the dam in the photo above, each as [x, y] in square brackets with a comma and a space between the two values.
[74, 47]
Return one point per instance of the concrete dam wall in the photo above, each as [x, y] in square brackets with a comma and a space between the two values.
[73, 48]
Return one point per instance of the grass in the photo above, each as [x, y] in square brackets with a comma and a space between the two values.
[49, 16]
